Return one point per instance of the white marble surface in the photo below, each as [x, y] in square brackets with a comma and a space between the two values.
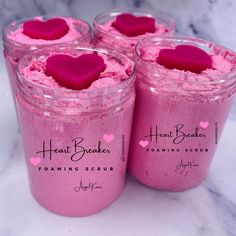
[210, 19]
[208, 210]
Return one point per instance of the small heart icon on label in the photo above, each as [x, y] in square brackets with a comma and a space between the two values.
[143, 143]
[108, 137]
[204, 124]
[35, 160]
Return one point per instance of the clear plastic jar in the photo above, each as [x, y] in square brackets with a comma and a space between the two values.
[75, 142]
[179, 117]
[103, 37]
[14, 49]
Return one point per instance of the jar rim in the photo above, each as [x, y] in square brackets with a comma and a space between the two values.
[7, 30]
[221, 77]
[159, 15]
[78, 94]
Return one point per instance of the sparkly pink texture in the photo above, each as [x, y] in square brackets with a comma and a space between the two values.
[220, 65]
[20, 37]
[160, 29]
[17, 44]
[113, 74]
[179, 117]
[101, 126]
[108, 36]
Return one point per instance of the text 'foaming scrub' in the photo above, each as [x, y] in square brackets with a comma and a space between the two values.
[185, 88]
[75, 111]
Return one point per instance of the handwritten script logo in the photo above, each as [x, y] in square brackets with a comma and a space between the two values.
[178, 134]
[77, 151]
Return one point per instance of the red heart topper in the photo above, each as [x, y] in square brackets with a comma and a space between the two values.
[75, 72]
[185, 57]
[51, 29]
[131, 25]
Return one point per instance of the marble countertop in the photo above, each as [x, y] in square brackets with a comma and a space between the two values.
[208, 210]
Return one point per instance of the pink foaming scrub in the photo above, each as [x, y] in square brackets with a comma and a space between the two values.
[72, 33]
[22, 36]
[156, 28]
[183, 100]
[76, 140]
[123, 30]
[114, 73]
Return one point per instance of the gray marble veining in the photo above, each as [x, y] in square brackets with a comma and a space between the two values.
[211, 19]
[207, 210]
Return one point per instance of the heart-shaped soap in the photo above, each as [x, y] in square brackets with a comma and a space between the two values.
[185, 57]
[51, 29]
[131, 25]
[75, 72]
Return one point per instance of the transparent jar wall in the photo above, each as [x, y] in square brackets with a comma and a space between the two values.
[233, 110]
[85, 170]
[176, 131]
[122, 43]
[96, 179]
[13, 51]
